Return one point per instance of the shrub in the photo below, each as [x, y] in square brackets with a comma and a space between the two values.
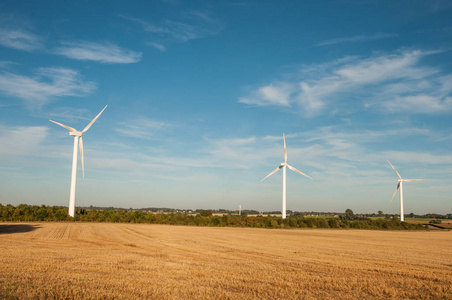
[435, 222]
[205, 213]
[333, 223]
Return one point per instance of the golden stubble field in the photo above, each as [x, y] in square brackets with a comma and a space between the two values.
[141, 261]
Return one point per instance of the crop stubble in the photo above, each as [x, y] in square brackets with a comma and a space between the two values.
[125, 261]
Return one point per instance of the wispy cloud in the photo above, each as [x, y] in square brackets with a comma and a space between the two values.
[387, 82]
[419, 104]
[101, 52]
[68, 114]
[188, 26]
[20, 39]
[327, 133]
[358, 38]
[158, 46]
[20, 140]
[141, 128]
[274, 94]
[47, 84]
[6, 64]
[330, 151]
[418, 157]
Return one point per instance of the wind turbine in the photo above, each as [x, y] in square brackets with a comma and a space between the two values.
[240, 209]
[283, 166]
[400, 184]
[77, 136]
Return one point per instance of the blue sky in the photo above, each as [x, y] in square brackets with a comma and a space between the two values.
[199, 94]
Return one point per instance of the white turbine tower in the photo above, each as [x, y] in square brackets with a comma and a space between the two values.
[283, 166]
[240, 209]
[77, 136]
[400, 184]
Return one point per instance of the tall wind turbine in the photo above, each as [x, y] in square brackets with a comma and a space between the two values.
[77, 136]
[283, 166]
[400, 184]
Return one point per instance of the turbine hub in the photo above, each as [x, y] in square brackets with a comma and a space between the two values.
[75, 133]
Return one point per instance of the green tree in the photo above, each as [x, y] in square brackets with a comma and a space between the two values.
[42, 213]
[205, 213]
[349, 215]
[333, 223]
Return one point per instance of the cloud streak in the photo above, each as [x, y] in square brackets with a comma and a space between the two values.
[100, 52]
[189, 26]
[357, 38]
[141, 128]
[20, 39]
[277, 94]
[21, 140]
[157, 46]
[45, 86]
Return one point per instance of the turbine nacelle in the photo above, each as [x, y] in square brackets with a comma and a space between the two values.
[76, 133]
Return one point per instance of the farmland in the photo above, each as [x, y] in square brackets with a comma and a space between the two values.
[106, 260]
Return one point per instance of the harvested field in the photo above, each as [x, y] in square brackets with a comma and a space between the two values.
[138, 261]
[446, 224]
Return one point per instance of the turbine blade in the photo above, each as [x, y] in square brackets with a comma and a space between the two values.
[62, 125]
[94, 120]
[413, 179]
[274, 171]
[397, 187]
[81, 155]
[298, 171]
[285, 149]
[395, 170]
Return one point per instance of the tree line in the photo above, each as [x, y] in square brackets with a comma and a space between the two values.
[29, 213]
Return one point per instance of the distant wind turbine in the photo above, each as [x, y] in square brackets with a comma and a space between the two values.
[77, 136]
[400, 184]
[283, 166]
[240, 209]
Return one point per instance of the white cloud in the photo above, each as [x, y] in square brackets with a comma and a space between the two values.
[364, 136]
[45, 86]
[309, 99]
[20, 39]
[6, 64]
[141, 128]
[158, 46]
[386, 82]
[354, 78]
[190, 25]
[410, 157]
[20, 140]
[358, 38]
[105, 53]
[419, 104]
[277, 94]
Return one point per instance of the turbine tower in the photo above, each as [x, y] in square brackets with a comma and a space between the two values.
[400, 184]
[240, 209]
[77, 136]
[283, 166]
